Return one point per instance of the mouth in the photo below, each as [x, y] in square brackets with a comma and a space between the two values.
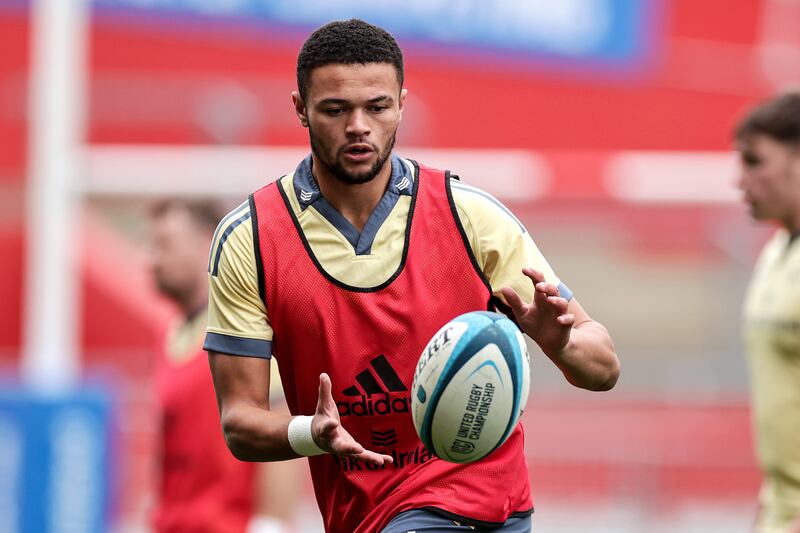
[358, 153]
[750, 204]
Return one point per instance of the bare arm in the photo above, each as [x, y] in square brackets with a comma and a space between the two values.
[279, 489]
[254, 433]
[579, 346]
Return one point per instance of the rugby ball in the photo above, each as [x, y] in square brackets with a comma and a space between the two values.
[470, 386]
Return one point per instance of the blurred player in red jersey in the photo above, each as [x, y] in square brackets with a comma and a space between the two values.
[202, 487]
[343, 270]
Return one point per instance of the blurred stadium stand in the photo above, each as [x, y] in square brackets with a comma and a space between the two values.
[612, 145]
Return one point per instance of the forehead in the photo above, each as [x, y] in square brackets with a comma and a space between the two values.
[353, 81]
[174, 223]
[762, 144]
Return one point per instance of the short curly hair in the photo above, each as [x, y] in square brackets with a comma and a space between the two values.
[778, 118]
[347, 42]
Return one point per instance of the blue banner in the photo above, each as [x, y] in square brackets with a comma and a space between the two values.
[593, 30]
[54, 462]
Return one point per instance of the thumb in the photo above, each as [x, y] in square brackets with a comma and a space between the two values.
[325, 398]
[514, 301]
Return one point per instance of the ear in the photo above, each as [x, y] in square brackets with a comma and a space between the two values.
[300, 108]
[402, 102]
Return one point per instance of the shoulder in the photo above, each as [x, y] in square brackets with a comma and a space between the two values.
[775, 245]
[233, 238]
[483, 210]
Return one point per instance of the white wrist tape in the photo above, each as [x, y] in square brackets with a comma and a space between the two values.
[300, 437]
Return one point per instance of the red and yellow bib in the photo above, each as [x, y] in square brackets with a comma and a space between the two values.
[369, 341]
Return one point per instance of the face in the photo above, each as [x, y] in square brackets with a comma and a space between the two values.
[352, 113]
[770, 178]
[179, 254]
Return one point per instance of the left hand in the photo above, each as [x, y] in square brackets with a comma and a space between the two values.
[545, 319]
[329, 434]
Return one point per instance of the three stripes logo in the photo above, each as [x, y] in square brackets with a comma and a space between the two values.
[376, 397]
[384, 439]
[305, 196]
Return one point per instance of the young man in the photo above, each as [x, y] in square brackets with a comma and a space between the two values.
[769, 144]
[343, 270]
[202, 487]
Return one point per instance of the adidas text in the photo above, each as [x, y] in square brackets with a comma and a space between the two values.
[374, 405]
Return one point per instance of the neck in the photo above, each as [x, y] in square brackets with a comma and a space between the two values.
[792, 223]
[193, 304]
[355, 202]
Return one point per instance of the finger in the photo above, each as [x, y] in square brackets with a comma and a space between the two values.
[324, 385]
[566, 320]
[375, 458]
[533, 274]
[548, 288]
[346, 447]
[340, 441]
[558, 303]
[325, 403]
[539, 297]
[345, 442]
[514, 301]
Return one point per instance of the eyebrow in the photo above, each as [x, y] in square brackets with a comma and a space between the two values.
[749, 155]
[342, 101]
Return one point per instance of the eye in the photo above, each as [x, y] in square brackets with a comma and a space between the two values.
[334, 111]
[750, 160]
[378, 108]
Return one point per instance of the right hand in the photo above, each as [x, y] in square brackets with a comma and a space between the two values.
[546, 319]
[328, 433]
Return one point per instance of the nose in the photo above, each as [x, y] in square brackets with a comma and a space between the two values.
[357, 124]
[151, 258]
[741, 180]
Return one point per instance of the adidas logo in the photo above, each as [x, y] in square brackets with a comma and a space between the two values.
[374, 396]
[305, 196]
[370, 385]
[404, 183]
[384, 438]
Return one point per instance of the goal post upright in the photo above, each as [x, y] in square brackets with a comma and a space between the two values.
[56, 134]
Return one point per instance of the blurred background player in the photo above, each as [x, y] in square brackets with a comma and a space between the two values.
[202, 487]
[768, 140]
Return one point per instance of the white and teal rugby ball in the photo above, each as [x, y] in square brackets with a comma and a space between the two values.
[470, 386]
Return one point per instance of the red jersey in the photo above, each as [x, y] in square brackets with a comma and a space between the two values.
[203, 487]
[369, 342]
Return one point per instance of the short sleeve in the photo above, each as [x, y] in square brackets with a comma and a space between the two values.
[501, 245]
[237, 317]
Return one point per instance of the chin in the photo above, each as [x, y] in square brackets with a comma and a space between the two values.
[754, 212]
[361, 168]
[360, 179]
[356, 174]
